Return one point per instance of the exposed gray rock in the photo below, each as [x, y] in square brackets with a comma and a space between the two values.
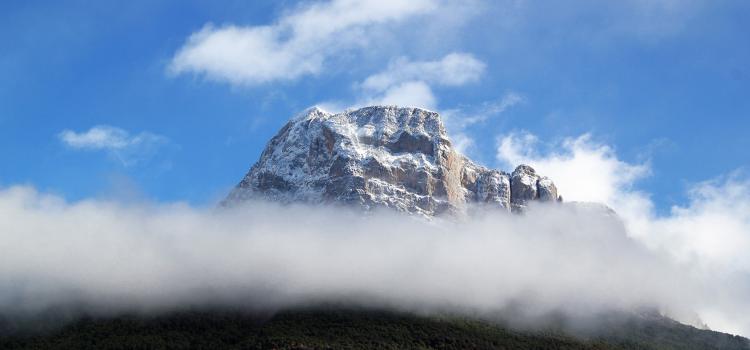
[547, 190]
[523, 186]
[526, 185]
[382, 156]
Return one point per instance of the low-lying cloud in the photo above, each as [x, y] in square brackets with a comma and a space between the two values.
[113, 257]
[710, 233]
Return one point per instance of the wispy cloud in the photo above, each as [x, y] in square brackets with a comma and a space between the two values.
[408, 83]
[299, 43]
[454, 69]
[126, 148]
[457, 120]
[488, 110]
[590, 23]
[106, 137]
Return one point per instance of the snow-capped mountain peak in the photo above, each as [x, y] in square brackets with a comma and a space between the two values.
[382, 156]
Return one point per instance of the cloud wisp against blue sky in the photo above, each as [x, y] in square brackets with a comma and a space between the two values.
[127, 149]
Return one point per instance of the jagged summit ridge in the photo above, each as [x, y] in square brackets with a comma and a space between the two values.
[382, 156]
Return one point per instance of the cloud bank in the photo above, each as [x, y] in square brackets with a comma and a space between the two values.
[108, 257]
[159, 256]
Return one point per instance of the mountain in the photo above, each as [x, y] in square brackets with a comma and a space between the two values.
[383, 156]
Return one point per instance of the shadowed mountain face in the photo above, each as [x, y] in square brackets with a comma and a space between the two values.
[382, 156]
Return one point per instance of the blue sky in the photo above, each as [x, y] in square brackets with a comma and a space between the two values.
[184, 106]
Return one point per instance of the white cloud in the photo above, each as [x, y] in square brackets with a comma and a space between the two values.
[713, 227]
[711, 231]
[410, 94]
[127, 148]
[298, 44]
[408, 83]
[588, 171]
[455, 69]
[106, 137]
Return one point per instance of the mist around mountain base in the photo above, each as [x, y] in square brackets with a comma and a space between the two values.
[107, 258]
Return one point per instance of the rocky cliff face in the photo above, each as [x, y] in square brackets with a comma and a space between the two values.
[382, 156]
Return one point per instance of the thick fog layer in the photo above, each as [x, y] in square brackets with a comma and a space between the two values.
[109, 257]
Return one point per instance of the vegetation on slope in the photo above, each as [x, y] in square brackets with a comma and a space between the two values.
[347, 329]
